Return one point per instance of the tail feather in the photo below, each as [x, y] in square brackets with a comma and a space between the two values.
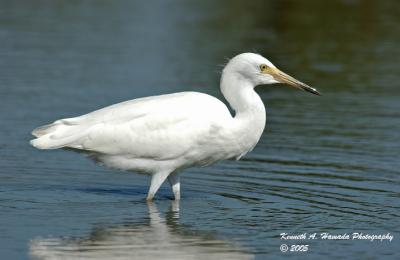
[43, 130]
[61, 133]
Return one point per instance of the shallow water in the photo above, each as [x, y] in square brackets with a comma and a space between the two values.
[324, 164]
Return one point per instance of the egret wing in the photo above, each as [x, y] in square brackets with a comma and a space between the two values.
[160, 127]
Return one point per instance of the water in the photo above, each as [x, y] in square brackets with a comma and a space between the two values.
[324, 164]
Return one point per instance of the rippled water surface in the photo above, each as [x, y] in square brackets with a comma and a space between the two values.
[324, 164]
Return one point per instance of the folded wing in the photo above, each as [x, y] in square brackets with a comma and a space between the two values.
[140, 128]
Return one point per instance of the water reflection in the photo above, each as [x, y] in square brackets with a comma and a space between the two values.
[159, 238]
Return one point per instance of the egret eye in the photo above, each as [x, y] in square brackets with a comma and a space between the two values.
[263, 67]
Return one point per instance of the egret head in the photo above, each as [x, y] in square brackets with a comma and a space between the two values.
[257, 70]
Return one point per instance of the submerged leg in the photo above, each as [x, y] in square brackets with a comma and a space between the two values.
[174, 181]
[156, 180]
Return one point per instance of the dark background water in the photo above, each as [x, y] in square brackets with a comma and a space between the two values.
[324, 164]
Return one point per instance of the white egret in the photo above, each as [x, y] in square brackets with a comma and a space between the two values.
[162, 135]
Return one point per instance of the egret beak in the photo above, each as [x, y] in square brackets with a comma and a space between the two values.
[285, 78]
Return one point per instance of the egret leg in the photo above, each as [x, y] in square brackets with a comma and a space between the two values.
[156, 181]
[175, 183]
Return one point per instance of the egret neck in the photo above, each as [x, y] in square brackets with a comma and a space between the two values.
[249, 119]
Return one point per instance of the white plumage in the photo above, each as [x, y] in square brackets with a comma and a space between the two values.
[162, 135]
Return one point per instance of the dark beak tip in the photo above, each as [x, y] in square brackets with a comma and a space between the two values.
[312, 91]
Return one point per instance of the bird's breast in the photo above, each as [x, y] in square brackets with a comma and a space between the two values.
[229, 140]
[248, 130]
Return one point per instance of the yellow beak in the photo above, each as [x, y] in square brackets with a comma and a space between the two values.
[285, 78]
